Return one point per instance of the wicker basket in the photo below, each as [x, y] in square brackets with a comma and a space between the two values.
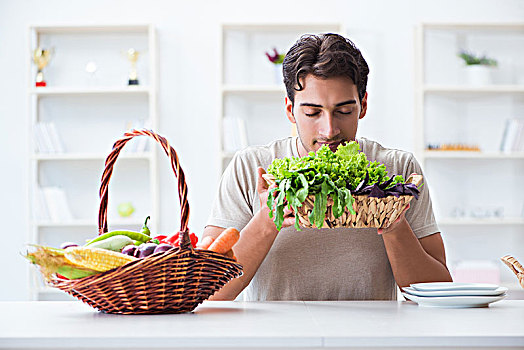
[369, 211]
[515, 267]
[172, 282]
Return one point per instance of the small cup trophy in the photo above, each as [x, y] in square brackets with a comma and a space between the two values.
[41, 58]
[132, 56]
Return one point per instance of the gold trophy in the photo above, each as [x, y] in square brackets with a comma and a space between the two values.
[132, 56]
[41, 58]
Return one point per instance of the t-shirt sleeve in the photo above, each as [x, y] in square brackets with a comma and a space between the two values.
[420, 213]
[232, 205]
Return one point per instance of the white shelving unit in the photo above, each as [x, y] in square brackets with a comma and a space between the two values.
[249, 89]
[449, 109]
[90, 112]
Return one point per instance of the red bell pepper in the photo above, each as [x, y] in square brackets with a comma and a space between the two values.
[174, 240]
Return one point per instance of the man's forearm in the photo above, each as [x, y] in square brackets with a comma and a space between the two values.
[255, 242]
[409, 261]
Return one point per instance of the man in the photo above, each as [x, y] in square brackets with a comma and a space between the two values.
[325, 78]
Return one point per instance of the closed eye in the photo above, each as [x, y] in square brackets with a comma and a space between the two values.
[345, 112]
[312, 114]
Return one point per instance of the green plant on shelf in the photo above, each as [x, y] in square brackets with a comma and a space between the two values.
[472, 59]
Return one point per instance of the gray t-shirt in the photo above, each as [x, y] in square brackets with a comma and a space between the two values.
[313, 264]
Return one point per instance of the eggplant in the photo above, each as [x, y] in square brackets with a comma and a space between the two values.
[162, 247]
[146, 249]
[131, 250]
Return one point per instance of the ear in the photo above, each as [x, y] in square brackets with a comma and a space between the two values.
[364, 106]
[289, 111]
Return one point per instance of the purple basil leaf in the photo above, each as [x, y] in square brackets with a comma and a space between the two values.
[393, 193]
[385, 184]
[411, 189]
[366, 190]
[377, 192]
[362, 183]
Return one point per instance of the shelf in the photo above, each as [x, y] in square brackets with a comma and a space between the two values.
[486, 26]
[481, 221]
[281, 27]
[471, 155]
[79, 91]
[90, 156]
[88, 223]
[124, 28]
[250, 86]
[113, 103]
[248, 89]
[465, 89]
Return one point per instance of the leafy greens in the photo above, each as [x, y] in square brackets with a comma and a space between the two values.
[339, 175]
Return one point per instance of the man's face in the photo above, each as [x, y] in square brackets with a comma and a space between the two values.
[326, 111]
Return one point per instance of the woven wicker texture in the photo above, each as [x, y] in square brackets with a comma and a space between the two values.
[515, 267]
[172, 282]
[369, 211]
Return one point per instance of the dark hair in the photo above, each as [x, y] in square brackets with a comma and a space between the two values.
[324, 56]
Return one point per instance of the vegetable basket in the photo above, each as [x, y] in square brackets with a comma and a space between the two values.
[370, 212]
[175, 281]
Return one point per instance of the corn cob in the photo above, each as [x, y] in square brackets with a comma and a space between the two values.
[52, 260]
[97, 258]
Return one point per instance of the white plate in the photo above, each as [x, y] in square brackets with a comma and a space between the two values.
[440, 286]
[454, 302]
[460, 292]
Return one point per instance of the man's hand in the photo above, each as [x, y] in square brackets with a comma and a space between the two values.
[394, 225]
[262, 189]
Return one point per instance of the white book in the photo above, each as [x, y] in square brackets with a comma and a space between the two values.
[38, 139]
[46, 135]
[228, 134]
[510, 134]
[43, 204]
[234, 134]
[39, 206]
[63, 205]
[54, 214]
[55, 139]
[518, 144]
[57, 205]
[45, 144]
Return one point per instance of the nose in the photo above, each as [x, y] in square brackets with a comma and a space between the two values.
[328, 126]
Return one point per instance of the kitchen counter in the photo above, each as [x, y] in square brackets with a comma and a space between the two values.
[277, 325]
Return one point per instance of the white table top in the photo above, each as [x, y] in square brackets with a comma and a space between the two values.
[341, 324]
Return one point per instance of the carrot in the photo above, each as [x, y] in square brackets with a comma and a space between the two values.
[205, 243]
[225, 241]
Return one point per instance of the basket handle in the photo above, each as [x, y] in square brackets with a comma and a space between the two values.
[175, 165]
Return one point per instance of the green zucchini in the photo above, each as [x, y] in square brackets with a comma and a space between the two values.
[114, 243]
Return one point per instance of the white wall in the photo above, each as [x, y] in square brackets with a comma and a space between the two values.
[188, 65]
